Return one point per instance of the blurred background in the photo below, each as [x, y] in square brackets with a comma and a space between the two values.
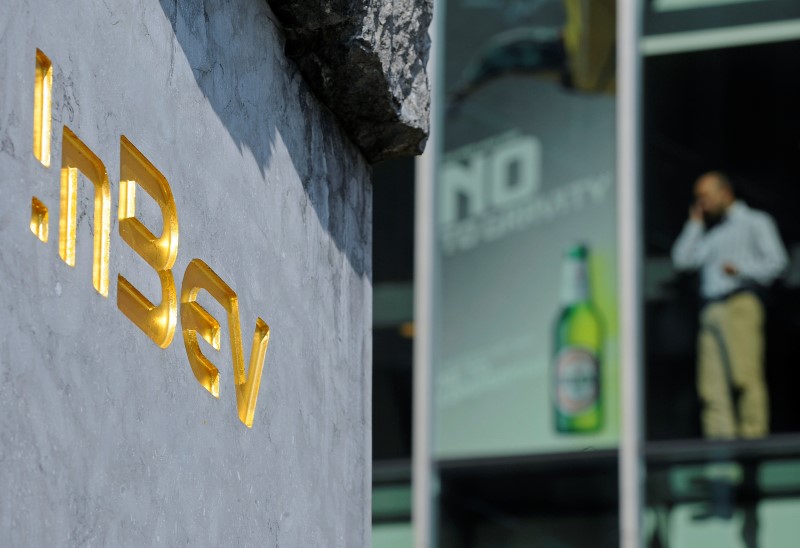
[525, 325]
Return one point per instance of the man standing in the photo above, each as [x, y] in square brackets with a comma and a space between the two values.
[739, 252]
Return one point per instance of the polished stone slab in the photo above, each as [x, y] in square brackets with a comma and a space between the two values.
[106, 438]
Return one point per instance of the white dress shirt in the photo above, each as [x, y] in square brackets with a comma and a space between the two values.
[746, 238]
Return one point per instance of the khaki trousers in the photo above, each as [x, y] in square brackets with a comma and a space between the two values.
[731, 364]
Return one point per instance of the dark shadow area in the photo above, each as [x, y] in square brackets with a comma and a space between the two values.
[736, 110]
[547, 500]
[236, 57]
[392, 263]
[392, 397]
[393, 225]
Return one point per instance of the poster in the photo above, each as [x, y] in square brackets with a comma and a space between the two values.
[526, 225]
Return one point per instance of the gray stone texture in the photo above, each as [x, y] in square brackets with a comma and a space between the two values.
[107, 439]
[367, 61]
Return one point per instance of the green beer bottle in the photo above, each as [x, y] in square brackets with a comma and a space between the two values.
[577, 357]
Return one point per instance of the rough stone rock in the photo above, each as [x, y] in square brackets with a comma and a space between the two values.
[366, 60]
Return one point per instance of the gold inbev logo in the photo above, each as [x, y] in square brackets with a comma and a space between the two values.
[157, 321]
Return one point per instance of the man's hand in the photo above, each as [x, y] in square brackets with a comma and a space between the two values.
[730, 269]
[696, 213]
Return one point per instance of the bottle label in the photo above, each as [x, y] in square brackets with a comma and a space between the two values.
[576, 383]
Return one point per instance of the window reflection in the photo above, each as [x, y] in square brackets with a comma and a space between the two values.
[721, 288]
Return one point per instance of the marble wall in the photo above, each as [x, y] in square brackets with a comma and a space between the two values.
[106, 438]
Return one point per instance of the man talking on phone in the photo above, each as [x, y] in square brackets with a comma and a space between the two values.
[739, 253]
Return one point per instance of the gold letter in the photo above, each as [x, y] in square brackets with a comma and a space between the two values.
[158, 322]
[42, 122]
[40, 219]
[76, 156]
[41, 108]
[195, 319]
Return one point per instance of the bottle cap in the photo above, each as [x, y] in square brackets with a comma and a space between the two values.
[578, 251]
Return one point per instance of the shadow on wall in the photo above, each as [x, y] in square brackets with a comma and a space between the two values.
[235, 51]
